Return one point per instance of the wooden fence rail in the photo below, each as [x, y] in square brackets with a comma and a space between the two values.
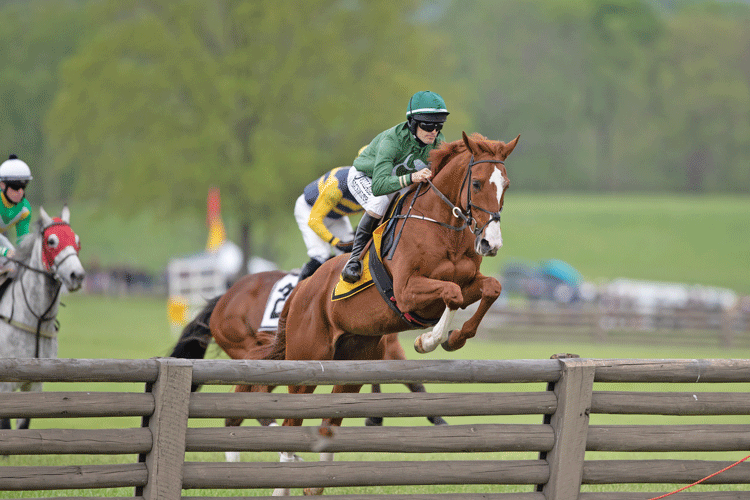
[560, 440]
[603, 324]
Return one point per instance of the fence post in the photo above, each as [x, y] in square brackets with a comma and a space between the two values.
[570, 424]
[168, 425]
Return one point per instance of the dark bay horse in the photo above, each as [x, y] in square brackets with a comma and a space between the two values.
[234, 321]
[447, 228]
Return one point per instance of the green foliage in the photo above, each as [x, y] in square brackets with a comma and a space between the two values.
[235, 94]
[139, 106]
[35, 35]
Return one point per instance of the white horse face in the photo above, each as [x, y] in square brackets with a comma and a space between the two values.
[60, 247]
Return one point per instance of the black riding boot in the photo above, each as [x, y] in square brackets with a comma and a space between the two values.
[353, 268]
[308, 269]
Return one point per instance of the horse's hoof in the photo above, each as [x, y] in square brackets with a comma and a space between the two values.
[418, 346]
[447, 346]
[312, 491]
[437, 420]
[374, 421]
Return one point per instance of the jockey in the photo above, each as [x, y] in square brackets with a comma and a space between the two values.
[15, 209]
[395, 159]
[322, 212]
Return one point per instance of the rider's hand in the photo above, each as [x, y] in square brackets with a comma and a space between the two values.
[344, 246]
[421, 175]
[11, 253]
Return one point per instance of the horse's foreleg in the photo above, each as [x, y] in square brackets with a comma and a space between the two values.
[427, 342]
[419, 291]
[489, 290]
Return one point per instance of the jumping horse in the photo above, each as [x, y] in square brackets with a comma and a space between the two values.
[443, 231]
[45, 261]
[234, 321]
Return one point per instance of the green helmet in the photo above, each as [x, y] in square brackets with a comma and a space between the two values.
[426, 106]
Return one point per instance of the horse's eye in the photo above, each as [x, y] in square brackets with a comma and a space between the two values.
[53, 241]
[477, 185]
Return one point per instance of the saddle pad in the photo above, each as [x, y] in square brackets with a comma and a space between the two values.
[276, 300]
[343, 289]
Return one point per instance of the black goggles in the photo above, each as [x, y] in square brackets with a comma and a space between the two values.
[430, 127]
[16, 185]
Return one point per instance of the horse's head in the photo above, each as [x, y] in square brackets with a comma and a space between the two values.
[60, 247]
[483, 190]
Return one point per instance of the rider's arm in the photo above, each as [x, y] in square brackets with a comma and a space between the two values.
[383, 180]
[22, 227]
[329, 197]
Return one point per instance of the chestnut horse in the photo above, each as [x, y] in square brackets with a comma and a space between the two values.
[233, 320]
[444, 231]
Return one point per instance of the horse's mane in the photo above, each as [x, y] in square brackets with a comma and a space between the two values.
[23, 250]
[440, 156]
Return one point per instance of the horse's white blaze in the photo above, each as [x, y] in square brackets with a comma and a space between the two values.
[499, 181]
[439, 334]
[493, 235]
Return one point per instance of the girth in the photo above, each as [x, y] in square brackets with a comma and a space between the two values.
[384, 284]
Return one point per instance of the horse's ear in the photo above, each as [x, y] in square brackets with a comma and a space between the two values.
[46, 219]
[65, 215]
[470, 145]
[508, 149]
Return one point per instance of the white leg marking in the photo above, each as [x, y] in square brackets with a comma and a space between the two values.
[439, 334]
[285, 457]
[233, 456]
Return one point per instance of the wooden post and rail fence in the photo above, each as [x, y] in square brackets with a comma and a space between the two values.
[558, 442]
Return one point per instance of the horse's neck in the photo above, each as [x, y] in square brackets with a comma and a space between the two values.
[450, 186]
[32, 293]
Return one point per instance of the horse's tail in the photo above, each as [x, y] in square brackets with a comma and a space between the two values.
[196, 335]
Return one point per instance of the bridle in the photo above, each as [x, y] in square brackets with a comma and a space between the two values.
[468, 220]
[466, 216]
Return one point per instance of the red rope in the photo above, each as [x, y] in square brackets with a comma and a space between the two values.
[701, 480]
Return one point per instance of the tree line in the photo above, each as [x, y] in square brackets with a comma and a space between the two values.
[143, 104]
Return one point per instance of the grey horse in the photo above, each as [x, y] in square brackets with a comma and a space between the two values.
[45, 261]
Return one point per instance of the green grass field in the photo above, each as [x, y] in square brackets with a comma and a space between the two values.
[128, 328]
[690, 239]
